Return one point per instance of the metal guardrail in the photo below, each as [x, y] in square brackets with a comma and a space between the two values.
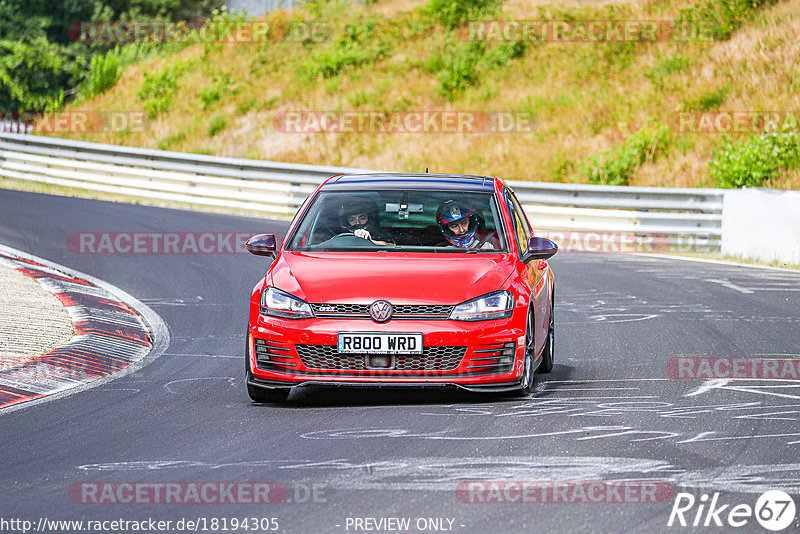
[271, 187]
[280, 188]
[15, 126]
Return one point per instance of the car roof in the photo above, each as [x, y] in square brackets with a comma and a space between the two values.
[373, 181]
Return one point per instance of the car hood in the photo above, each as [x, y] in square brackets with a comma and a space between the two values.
[361, 278]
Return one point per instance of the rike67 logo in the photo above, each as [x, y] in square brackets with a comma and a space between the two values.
[774, 510]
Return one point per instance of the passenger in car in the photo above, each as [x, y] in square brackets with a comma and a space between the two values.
[460, 226]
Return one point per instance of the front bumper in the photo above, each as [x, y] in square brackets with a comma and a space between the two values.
[501, 387]
[491, 354]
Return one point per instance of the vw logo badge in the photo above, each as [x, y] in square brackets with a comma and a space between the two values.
[380, 311]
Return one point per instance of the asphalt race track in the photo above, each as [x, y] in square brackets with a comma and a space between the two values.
[613, 409]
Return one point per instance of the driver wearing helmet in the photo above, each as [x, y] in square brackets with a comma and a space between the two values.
[459, 225]
[360, 216]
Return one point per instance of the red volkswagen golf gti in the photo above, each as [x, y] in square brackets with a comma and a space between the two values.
[393, 280]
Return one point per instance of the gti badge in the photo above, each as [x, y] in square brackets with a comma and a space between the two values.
[380, 311]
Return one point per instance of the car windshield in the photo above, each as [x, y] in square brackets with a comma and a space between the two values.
[401, 220]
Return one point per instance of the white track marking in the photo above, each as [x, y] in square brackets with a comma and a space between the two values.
[593, 389]
[707, 386]
[730, 285]
[760, 392]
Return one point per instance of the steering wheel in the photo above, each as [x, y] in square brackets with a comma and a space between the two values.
[346, 240]
[388, 239]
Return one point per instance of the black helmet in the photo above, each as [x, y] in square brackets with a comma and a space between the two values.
[452, 211]
[357, 206]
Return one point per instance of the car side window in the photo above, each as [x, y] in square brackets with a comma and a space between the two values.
[522, 229]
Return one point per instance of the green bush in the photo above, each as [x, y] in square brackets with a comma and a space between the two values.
[458, 67]
[246, 105]
[105, 73]
[708, 100]
[751, 161]
[616, 165]
[451, 13]
[355, 47]
[717, 19]
[506, 52]
[171, 140]
[221, 86]
[330, 63]
[217, 124]
[667, 66]
[157, 89]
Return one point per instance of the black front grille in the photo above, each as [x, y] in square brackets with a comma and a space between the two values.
[361, 311]
[431, 359]
[340, 309]
[414, 309]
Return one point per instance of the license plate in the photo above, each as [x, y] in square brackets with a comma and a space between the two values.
[379, 343]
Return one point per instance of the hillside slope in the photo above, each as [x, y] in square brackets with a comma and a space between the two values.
[582, 98]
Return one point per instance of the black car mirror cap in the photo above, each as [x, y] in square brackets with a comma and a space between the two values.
[539, 248]
[262, 245]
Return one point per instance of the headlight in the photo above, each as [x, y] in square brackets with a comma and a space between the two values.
[277, 303]
[496, 305]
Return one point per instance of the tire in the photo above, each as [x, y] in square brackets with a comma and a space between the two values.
[257, 394]
[548, 354]
[526, 384]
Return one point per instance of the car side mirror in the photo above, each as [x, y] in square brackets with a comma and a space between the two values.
[262, 245]
[539, 248]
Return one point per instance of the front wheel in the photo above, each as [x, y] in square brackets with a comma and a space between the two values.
[257, 394]
[526, 384]
[548, 354]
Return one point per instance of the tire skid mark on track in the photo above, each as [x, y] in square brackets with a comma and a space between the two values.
[109, 336]
[663, 415]
[174, 386]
